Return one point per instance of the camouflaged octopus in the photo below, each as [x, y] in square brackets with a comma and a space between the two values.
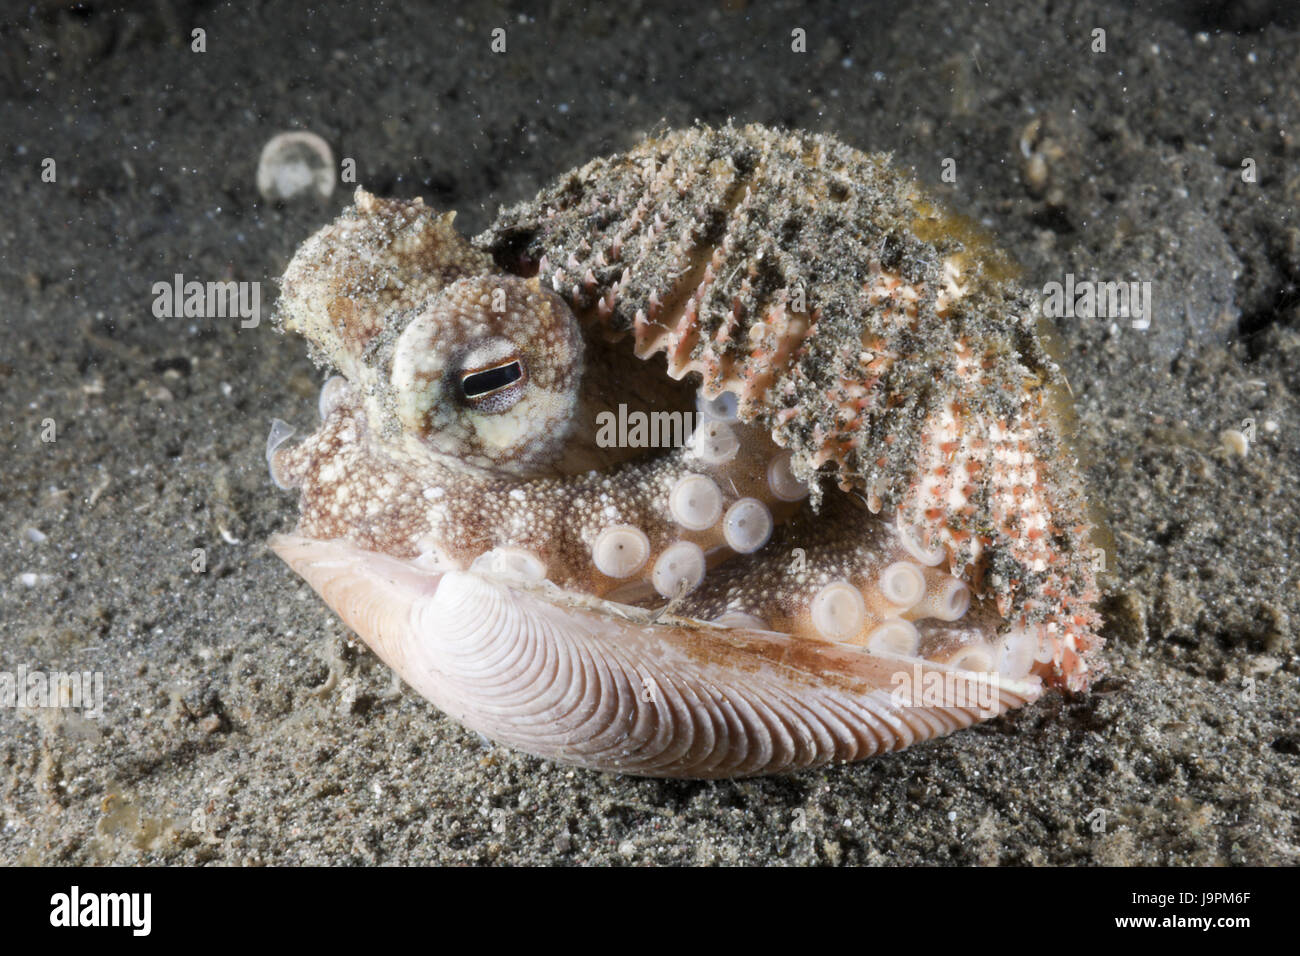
[868, 532]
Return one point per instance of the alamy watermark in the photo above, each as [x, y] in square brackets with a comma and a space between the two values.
[1087, 299]
[208, 300]
[75, 908]
[921, 687]
[25, 689]
[637, 429]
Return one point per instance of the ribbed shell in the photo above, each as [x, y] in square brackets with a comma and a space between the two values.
[589, 688]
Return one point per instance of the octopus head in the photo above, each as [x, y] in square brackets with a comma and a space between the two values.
[487, 373]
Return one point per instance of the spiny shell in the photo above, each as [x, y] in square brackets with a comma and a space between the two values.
[863, 327]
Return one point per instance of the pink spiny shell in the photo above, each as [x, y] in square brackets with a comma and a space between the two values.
[911, 369]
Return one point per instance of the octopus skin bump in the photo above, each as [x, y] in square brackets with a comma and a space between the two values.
[843, 519]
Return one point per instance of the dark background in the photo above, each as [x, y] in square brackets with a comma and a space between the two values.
[225, 687]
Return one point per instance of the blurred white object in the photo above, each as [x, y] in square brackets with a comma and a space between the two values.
[294, 165]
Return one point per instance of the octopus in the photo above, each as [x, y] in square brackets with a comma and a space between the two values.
[732, 454]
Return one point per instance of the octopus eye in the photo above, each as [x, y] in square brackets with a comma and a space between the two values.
[494, 389]
[487, 372]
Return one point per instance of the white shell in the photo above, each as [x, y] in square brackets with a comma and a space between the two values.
[295, 163]
[587, 687]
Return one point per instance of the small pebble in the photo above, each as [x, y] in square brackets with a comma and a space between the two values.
[1235, 442]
